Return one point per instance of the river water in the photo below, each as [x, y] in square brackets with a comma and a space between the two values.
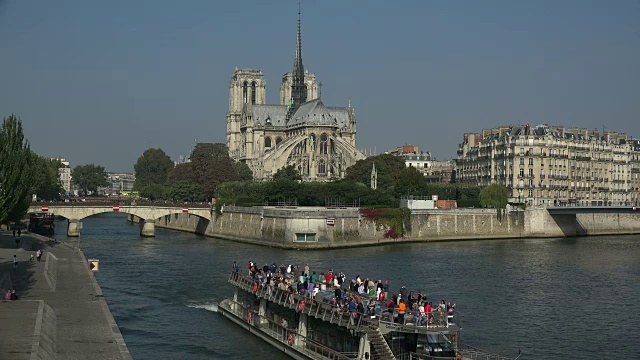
[573, 298]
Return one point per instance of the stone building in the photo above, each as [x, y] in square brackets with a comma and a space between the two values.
[553, 165]
[64, 174]
[320, 141]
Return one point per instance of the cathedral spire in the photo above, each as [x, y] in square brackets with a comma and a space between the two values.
[298, 86]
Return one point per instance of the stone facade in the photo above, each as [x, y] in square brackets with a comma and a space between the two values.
[552, 165]
[319, 141]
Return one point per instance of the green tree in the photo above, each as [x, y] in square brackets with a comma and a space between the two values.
[46, 182]
[243, 172]
[16, 170]
[212, 165]
[288, 172]
[153, 167]
[89, 177]
[183, 172]
[494, 196]
[411, 182]
[154, 191]
[186, 191]
[388, 168]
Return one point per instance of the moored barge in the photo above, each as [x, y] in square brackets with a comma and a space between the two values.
[311, 326]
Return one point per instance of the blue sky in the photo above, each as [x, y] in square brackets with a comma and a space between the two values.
[101, 81]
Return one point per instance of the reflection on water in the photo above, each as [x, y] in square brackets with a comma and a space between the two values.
[553, 298]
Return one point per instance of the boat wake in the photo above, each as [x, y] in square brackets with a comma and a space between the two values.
[210, 306]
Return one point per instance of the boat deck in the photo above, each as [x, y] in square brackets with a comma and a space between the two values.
[320, 307]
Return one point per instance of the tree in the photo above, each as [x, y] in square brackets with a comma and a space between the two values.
[186, 191]
[212, 165]
[89, 177]
[411, 182]
[153, 167]
[46, 182]
[16, 170]
[494, 196]
[183, 172]
[388, 168]
[288, 172]
[243, 172]
[154, 191]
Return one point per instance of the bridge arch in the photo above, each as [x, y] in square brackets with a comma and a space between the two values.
[147, 214]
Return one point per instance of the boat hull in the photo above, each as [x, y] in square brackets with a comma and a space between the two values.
[224, 309]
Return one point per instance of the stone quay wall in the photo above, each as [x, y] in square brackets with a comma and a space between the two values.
[322, 228]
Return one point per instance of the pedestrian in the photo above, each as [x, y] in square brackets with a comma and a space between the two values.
[14, 296]
[19, 230]
[14, 232]
[7, 296]
[15, 262]
[39, 254]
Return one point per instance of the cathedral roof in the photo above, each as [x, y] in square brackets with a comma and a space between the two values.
[275, 114]
[314, 112]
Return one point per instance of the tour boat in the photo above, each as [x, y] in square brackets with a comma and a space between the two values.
[314, 328]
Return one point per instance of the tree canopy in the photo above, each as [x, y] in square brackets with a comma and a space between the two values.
[16, 170]
[153, 167]
[89, 177]
[388, 167]
[494, 196]
[213, 166]
[45, 177]
[288, 172]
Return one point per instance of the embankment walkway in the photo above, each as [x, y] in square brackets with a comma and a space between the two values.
[61, 312]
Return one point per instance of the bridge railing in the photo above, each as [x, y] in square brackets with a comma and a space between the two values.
[121, 203]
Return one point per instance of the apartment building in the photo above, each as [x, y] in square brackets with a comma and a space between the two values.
[553, 165]
[64, 174]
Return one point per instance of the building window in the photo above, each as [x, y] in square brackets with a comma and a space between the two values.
[244, 92]
[530, 172]
[322, 168]
[521, 172]
[521, 161]
[530, 193]
[253, 92]
[323, 144]
[521, 151]
[530, 161]
[267, 142]
[278, 140]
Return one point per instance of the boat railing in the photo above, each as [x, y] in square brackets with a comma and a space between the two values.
[287, 335]
[322, 308]
[473, 353]
[416, 356]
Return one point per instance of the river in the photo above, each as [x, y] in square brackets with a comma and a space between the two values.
[571, 298]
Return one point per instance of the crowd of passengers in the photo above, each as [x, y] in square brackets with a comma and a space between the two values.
[359, 297]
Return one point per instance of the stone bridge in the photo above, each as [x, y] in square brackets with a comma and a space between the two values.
[582, 220]
[147, 214]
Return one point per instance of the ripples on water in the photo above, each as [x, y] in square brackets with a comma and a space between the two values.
[553, 298]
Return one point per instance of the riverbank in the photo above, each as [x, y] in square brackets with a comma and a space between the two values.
[61, 312]
[322, 228]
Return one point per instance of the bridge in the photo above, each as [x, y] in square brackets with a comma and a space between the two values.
[582, 220]
[565, 210]
[76, 211]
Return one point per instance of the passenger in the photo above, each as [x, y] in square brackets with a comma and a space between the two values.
[306, 270]
[289, 269]
[402, 308]
[421, 318]
[314, 277]
[360, 307]
[7, 296]
[381, 296]
[391, 305]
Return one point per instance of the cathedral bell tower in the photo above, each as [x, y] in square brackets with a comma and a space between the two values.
[298, 86]
[247, 87]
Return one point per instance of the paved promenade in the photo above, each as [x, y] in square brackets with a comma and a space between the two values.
[61, 313]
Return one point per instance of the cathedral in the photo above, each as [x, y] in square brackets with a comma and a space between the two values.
[318, 140]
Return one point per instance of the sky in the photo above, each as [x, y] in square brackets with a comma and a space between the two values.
[101, 81]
